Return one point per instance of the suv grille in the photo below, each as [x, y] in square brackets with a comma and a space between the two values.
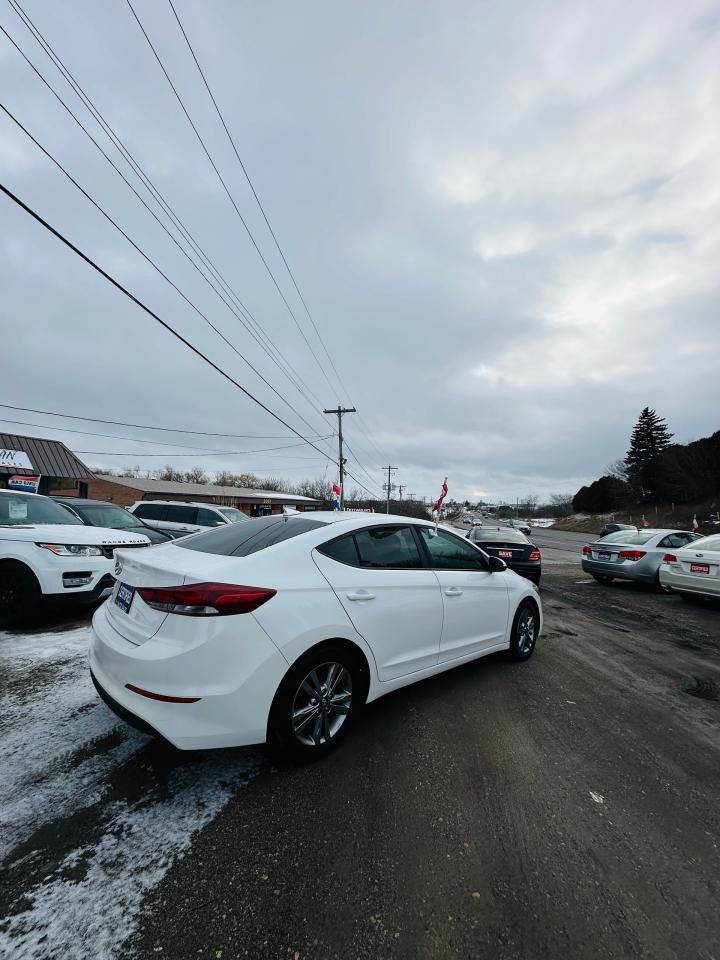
[109, 552]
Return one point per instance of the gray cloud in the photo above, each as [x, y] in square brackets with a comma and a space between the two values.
[505, 222]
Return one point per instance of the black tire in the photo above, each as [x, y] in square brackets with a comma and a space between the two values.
[522, 645]
[20, 593]
[691, 597]
[317, 737]
[601, 578]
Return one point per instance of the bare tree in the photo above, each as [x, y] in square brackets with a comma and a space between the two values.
[169, 472]
[195, 475]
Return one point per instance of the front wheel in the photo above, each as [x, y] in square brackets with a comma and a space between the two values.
[317, 701]
[19, 593]
[525, 629]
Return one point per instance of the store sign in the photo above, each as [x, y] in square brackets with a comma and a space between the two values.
[26, 484]
[15, 459]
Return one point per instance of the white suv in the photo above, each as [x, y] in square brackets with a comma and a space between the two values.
[46, 552]
[181, 517]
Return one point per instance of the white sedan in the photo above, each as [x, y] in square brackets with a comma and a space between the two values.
[281, 628]
[694, 570]
[47, 552]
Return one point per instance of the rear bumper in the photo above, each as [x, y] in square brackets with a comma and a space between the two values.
[690, 583]
[620, 571]
[233, 669]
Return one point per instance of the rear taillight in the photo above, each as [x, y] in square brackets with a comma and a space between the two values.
[534, 556]
[631, 554]
[670, 558]
[205, 599]
[587, 551]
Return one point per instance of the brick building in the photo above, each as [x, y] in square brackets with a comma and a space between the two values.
[128, 490]
[59, 470]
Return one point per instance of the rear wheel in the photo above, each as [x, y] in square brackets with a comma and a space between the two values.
[19, 593]
[317, 701]
[525, 628]
[601, 578]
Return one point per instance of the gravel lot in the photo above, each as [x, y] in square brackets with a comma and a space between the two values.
[564, 807]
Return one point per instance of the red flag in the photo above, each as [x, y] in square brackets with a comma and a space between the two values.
[336, 489]
[437, 506]
[696, 525]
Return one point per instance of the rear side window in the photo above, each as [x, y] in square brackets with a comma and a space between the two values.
[242, 539]
[180, 514]
[676, 540]
[388, 548]
[342, 550]
[149, 511]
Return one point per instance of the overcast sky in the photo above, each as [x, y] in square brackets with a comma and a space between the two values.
[505, 219]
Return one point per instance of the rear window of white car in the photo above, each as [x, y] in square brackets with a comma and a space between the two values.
[242, 539]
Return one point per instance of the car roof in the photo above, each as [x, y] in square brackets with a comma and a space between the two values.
[82, 500]
[186, 503]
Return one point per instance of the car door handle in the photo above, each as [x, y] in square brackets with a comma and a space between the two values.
[452, 592]
[360, 595]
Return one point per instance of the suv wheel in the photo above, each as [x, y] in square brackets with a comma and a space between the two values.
[19, 593]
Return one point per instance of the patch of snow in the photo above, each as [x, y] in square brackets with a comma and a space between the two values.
[49, 713]
[93, 916]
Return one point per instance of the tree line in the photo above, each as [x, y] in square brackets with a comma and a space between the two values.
[655, 470]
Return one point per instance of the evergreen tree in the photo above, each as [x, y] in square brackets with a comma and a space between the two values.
[650, 437]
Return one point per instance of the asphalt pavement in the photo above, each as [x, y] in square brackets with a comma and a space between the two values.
[566, 807]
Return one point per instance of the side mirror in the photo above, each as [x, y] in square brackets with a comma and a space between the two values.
[497, 565]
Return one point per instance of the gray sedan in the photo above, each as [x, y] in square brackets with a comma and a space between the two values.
[632, 554]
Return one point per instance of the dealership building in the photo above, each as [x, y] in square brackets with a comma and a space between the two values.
[41, 466]
[255, 503]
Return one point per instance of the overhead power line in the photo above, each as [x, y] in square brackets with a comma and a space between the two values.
[162, 443]
[227, 191]
[255, 194]
[147, 426]
[247, 318]
[163, 323]
[151, 262]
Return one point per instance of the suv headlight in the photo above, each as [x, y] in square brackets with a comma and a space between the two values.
[71, 549]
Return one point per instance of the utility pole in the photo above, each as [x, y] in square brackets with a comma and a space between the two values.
[411, 496]
[339, 411]
[388, 486]
[401, 488]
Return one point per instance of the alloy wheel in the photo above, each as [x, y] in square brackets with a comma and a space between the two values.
[322, 703]
[526, 631]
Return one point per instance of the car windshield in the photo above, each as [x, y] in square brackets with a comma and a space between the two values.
[233, 514]
[107, 515]
[633, 537]
[18, 509]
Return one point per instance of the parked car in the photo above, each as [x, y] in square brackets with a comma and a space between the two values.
[99, 513]
[513, 547]
[45, 552]
[614, 528]
[693, 571]
[281, 628]
[180, 517]
[522, 525]
[632, 554]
